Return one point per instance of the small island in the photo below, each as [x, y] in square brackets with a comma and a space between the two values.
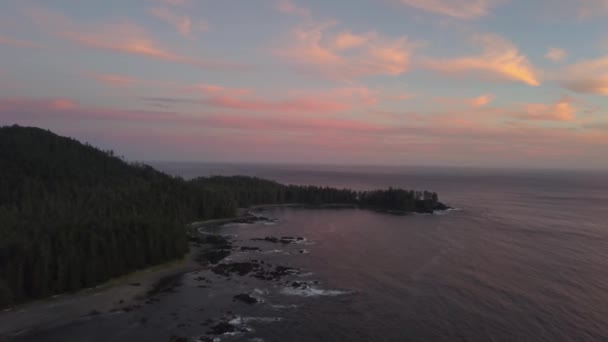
[73, 216]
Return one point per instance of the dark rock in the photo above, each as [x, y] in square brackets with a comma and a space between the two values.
[221, 328]
[286, 240]
[245, 248]
[245, 298]
[214, 240]
[280, 271]
[135, 284]
[213, 256]
[166, 284]
[240, 268]
[253, 219]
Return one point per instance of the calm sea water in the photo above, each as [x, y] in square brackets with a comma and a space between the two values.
[525, 258]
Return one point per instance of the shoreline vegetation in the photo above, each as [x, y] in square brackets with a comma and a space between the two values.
[73, 217]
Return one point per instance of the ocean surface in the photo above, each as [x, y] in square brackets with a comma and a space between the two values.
[523, 258]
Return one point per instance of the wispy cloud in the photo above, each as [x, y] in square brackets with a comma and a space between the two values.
[345, 55]
[115, 80]
[16, 109]
[500, 60]
[290, 7]
[181, 23]
[119, 36]
[591, 8]
[481, 100]
[556, 54]
[19, 43]
[461, 9]
[335, 100]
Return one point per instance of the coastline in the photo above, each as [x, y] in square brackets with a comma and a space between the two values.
[131, 290]
[122, 293]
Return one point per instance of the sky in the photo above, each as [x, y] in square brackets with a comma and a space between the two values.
[496, 83]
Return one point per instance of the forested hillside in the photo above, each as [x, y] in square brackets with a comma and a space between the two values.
[72, 216]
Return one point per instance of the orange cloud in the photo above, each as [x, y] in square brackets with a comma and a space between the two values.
[129, 38]
[181, 23]
[562, 110]
[347, 40]
[19, 43]
[62, 104]
[314, 50]
[588, 76]
[556, 54]
[481, 101]
[461, 9]
[500, 60]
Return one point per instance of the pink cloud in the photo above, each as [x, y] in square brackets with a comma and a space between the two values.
[215, 90]
[334, 100]
[475, 102]
[461, 9]
[123, 36]
[591, 8]
[16, 109]
[561, 110]
[449, 135]
[287, 123]
[348, 40]
[587, 76]
[19, 43]
[500, 60]
[116, 80]
[129, 38]
[290, 7]
[346, 56]
[176, 2]
[481, 100]
[556, 54]
[181, 23]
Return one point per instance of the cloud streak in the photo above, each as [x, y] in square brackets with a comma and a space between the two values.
[460, 9]
[19, 43]
[556, 54]
[500, 60]
[120, 36]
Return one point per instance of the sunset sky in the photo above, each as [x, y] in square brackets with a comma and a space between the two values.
[399, 82]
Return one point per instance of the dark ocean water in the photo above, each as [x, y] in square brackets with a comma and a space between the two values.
[525, 258]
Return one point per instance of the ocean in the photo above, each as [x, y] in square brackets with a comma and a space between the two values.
[522, 258]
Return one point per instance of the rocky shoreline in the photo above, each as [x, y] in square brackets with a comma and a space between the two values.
[210, 263]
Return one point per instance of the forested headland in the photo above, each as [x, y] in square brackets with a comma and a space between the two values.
[72, 216]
